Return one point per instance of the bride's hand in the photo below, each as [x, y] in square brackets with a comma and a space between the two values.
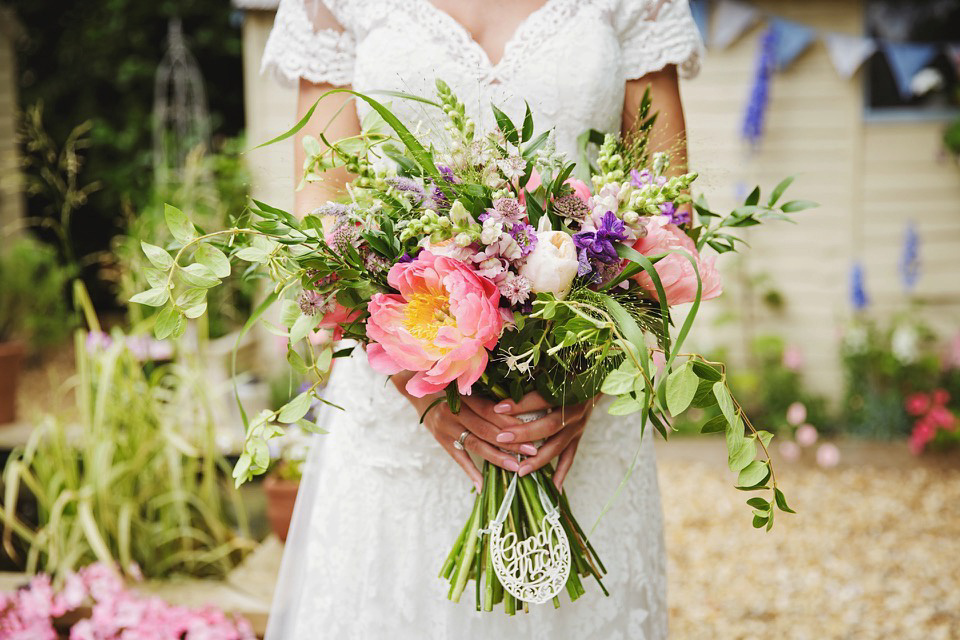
[561, 430]
[478, 418]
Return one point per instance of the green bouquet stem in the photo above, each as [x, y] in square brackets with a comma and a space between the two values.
[471, 558]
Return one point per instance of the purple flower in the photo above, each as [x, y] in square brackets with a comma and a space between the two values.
[407, 185]
[597, 246]
[526, 237]
[447, 173]
[676, 217]
[640, 178]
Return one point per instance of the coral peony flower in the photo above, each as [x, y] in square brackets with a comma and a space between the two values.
[440, 325]
[676, 273]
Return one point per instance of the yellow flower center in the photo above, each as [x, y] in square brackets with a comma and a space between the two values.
[426, 313]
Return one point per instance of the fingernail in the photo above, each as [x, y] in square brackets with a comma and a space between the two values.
[528, 449]
[524, 470]
[478, 486]
[505, 436]
[510, 464]
[503, 407]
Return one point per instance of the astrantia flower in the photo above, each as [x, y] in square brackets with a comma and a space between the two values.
[571, 207]
[342, 236]
[512, 167]
[515, 288]
[314, 303]
[526, 237]
[505, 210]
[599, 245]
[376, 263]
[440, 324]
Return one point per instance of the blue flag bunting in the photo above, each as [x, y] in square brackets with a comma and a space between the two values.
[906, 59]
[793, 39]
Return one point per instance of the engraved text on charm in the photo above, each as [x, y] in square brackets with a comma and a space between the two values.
[535, 569]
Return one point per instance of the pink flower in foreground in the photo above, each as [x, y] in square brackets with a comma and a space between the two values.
[580, 188]
[440, 325]
[334, 319]
[677, 276]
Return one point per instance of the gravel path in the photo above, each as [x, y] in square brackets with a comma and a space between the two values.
[874, 552]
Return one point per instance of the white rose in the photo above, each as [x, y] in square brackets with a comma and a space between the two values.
[552, 265]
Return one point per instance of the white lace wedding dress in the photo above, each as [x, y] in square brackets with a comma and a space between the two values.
[381, 503]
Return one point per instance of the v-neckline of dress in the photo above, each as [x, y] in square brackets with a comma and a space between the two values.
[512, 43]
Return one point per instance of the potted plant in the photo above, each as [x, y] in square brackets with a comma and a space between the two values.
[33, 311]
[283, 479]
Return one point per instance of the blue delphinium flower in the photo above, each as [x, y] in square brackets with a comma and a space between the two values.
[597, 246]
[858, 292]
[760, 93]
[910, 259]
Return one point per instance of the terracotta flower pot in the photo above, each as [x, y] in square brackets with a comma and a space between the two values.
[281, 497]
[11, 360]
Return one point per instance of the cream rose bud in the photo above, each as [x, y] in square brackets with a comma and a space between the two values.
[552, 265]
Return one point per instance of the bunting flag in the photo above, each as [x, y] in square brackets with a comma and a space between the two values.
[906, 59]
[700, 10]
[848, 53]
[792, 39]
[731, 18]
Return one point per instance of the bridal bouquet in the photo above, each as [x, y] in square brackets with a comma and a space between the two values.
[490, 267]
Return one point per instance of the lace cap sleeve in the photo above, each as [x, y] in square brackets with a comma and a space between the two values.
[310, 39]
[655, 33]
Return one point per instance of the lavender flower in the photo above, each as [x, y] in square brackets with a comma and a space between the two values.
[597, 246]
[526, 237]
[858, 292]
[335, 210]
[408, 186]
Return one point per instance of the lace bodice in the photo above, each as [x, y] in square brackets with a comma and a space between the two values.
[569, 59]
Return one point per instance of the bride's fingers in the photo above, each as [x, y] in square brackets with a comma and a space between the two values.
[565, 462]
[490, 454]
[533, 401]
[485, 409]
[543, 428]
[466, 463]
[550, 450]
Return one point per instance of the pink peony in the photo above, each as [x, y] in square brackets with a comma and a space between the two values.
[440, 325]
[676, 273]
[334, 319]
[580, 188]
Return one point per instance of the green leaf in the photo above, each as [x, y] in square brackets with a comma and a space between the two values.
[624, 405]
[195, 311]
[191, 297]
[506, 126]
[725, 402]
[259, 454]
[527, 124]
[765, 437]
[241, 470]
[778, 191]
[798, 205]
[759, 503]
[310, 427]
[155, 297]
[302, 327]
[199, 275]
[759, 523]
[625, 323]
[753, 474]
[166, 322]
[714, 425]
[214, 259]
[296, 361]
[157, 256]
[324, 359]
[253, 254]
[179, 225]
[289, 312]
[155, 277]
[706, 372]
[620, 381]
[753, 198]
[782, 501]
[681, 387]
[740, 458]
[296, 408]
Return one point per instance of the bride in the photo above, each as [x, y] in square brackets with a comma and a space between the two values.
[381, 500]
